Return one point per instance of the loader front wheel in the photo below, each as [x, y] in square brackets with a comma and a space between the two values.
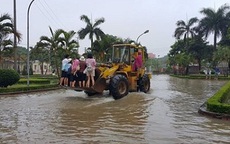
[119, 86]
[144, 83]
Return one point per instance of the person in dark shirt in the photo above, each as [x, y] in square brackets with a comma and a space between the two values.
[81, 74]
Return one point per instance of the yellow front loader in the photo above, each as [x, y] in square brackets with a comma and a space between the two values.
[118, 76]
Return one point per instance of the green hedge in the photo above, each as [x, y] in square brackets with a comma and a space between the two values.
[24, 88]
[8, 77]
[34, 81]
[216, 102]
[200, 76]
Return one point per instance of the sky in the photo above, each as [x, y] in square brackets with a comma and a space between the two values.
[123, 18]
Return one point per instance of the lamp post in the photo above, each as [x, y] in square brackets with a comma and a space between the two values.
[141, 35]
[15, 39]
[28, 51]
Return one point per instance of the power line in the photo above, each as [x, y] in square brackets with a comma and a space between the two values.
[54, 14]
[50, 15]
[47, 18]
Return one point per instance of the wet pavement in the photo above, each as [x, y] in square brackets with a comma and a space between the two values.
[167, 114]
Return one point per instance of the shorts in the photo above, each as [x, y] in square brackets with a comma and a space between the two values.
[71, 78]
[91, 73]
[81, 76]
[64, 74]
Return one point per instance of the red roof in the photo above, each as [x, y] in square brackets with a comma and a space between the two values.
[151, 56]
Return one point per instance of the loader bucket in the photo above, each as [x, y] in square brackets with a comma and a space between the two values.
[100, 85]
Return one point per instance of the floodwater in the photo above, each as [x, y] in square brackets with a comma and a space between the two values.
[166, 115]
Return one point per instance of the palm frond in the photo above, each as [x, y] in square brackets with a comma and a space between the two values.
[98, 22]
[85, 19]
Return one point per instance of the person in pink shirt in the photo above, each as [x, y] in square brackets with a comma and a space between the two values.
[138, 61]
[75, 68]
[90, 69]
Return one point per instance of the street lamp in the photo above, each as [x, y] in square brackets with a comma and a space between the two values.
[28, 51]
[141, 35]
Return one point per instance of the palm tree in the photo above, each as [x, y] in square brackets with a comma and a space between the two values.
[7, 28]
[53, 43]
[215, 22]
[185, 29]
[69, 43]
[91, 29]
[103, 48]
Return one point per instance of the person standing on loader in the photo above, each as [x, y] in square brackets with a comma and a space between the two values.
[63, 72]
[90, 69]
[75, 69]
[81, 75]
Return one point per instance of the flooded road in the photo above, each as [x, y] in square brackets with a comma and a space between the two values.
[168, 114]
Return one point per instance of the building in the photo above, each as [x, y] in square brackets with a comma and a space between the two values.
[151, 56]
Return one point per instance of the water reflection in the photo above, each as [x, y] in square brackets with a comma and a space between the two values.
[103, 118]
[168, 114]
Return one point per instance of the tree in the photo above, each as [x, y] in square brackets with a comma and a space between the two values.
[215, 22]
[91, 29]
[185, 29]
[6, 29]
[176, 48]
[223, 54]
[180, 57]
[183, 60]
[103, 48]
[198, 49]
[41, 54]
[59, 44]
[69, 44]
[53, 43]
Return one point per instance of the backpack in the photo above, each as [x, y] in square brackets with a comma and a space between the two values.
[89, 68]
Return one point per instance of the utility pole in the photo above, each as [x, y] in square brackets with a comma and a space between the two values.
[28, 42]
[15, 39]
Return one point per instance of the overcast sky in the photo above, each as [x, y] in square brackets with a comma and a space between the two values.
[123, 18]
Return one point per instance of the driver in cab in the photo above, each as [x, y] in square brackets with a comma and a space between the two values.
[137, 60]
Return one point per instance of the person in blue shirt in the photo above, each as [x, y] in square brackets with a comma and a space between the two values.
[63, 72]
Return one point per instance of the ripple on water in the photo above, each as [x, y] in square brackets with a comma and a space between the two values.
[167, 114]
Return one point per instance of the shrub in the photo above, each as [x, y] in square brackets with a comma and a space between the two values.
[34, 81]
[25, 88]
[8, 77]
[216, 102]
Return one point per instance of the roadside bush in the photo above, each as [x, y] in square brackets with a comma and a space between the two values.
[8, 77]
[25, 88]
[34, 81]
[216, 102]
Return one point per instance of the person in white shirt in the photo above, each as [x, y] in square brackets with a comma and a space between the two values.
[63, 72]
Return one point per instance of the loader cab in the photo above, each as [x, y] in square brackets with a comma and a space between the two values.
[122, 53]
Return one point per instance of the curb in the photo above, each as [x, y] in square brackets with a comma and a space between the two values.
[202, 110]
[29, 91]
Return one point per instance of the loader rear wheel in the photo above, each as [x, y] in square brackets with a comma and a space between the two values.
[144, 84]
[119, 86]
